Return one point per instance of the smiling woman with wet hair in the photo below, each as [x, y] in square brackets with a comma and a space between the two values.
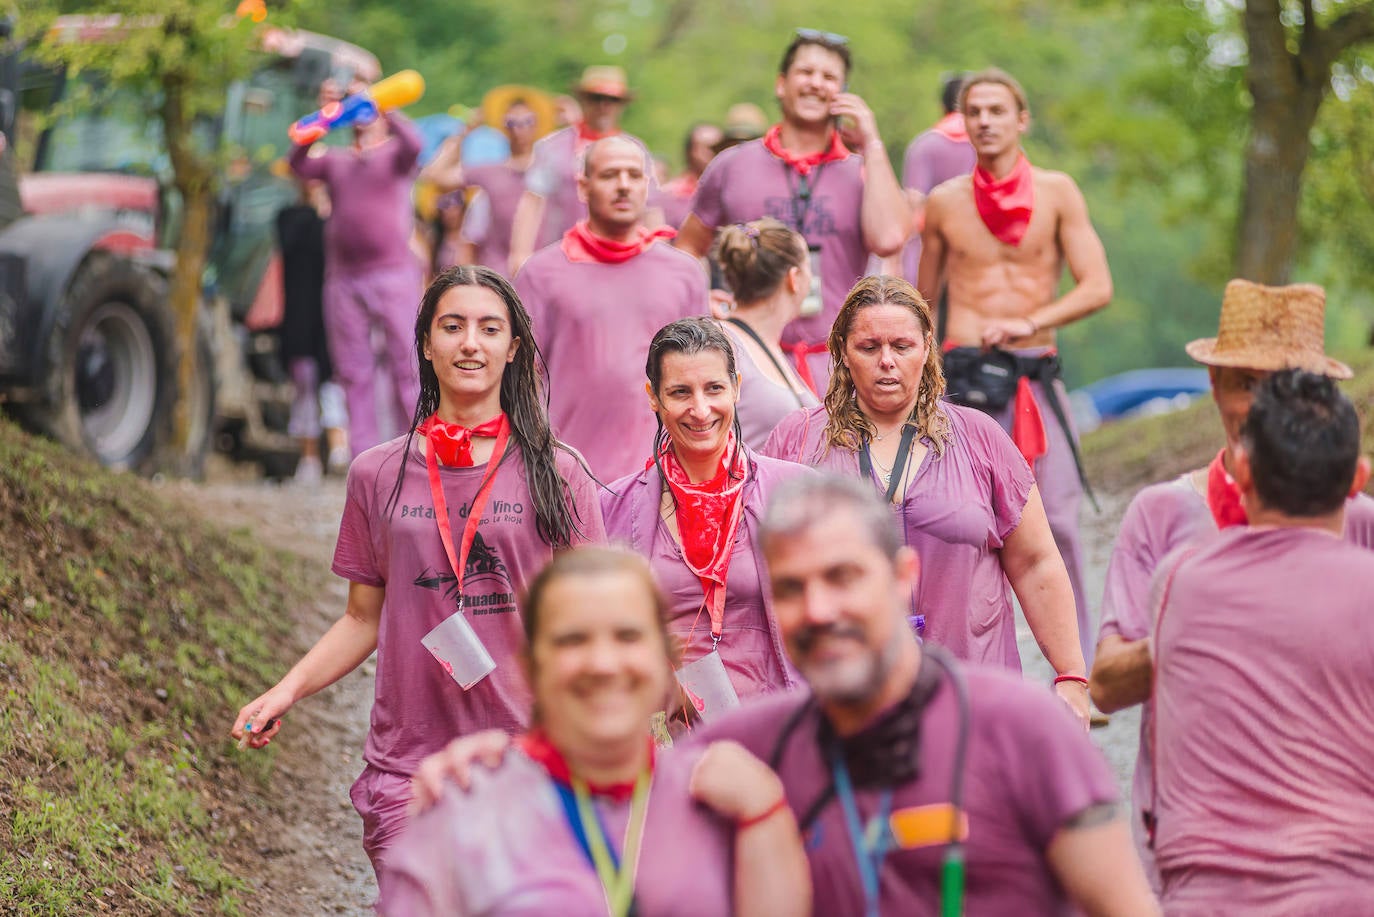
[692, 512]
[441, 529]
[966, 499]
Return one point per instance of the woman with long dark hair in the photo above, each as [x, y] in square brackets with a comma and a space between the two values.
[966, 498]
[441, 530]
[693, 511]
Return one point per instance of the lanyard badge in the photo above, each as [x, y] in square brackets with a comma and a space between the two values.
[617, 875]
[454, 643]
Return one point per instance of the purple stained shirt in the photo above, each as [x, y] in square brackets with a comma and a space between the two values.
[747, 182]
[506, 847]
[763, 402]
[1160, 519]
[370, 220]
[502, 185]
[594, 323]
[1030, 771]
[931, 159]
[958, 511]
[1263, 706]
[417, 708]
[750, 646]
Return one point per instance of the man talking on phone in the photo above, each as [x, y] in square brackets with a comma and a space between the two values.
[802, 172]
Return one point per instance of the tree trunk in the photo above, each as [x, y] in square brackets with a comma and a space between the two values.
[191, 251]
[1275, 157]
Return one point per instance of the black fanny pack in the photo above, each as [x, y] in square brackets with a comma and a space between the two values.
[986, 379]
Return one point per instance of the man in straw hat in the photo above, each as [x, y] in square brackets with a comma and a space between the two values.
[1263, 329]
[1263, 794]
[550, 205]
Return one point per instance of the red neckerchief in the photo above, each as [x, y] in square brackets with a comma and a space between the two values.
[1223, 495]
[800, 351]
[952, 127]
[586, 135]
[536, 745]
[772, 142]
[708, 516]
[580, 244]
[1005, 204]
[451, 442]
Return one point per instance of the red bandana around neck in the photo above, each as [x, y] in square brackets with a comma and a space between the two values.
[586, 135]
[581, 245]
[536, 745]
[708, 516]
[1005, 204]
[952, 127]
[1223, 495]
[451, 442]
[803, 165]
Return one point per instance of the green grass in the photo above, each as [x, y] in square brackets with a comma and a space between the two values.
[129, 636]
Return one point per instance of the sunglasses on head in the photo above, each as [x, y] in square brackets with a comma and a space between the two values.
[526, 121]
[825, 38]
[601, 98]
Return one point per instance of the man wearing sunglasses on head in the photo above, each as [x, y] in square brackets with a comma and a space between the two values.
[550, 205]
[802, 172]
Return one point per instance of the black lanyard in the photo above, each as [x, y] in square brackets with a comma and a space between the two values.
[802, 189]
[786, 379]
[898, 466]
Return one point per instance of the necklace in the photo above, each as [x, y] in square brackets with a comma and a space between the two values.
[879, 437]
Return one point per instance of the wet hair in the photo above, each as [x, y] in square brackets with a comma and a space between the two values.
[950, 89]
[687, 336]
[800, 41]
[997, 77]
[1303, 440]
[846, 426]
[523, 398]
[802, 502]
[755, 257]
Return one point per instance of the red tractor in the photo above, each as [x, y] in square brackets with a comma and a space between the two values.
[87, 230]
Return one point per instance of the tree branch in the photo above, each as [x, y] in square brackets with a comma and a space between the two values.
[1349, 29]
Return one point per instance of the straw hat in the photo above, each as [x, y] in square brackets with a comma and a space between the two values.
[497, 100]
[1270, 328]
[604, 80]
[743, 121]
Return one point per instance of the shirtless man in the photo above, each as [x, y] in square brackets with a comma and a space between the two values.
[998, 241]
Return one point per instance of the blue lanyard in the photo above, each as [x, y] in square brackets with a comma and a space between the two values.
[870, 844]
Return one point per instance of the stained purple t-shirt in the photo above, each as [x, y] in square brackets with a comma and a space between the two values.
[763, 402]
[1160, 519]
[502, 185]
[747, 182]
[594, 323]
[506, 847]
[1263, 694]
[1030, 771]
[931, 159]
[417, 707]
[370, 220]
[751, 645]
[958, 511]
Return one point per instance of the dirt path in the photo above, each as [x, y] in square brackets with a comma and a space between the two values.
[313, 861]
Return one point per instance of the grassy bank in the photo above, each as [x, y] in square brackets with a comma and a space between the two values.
[127, 631]
[1126, 456]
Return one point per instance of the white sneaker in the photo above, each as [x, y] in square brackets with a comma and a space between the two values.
[309, 471]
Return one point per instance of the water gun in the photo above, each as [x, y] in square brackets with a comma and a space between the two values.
[396, 91]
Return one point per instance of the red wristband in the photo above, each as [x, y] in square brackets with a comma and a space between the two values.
[763, 816]
[1074, 678]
